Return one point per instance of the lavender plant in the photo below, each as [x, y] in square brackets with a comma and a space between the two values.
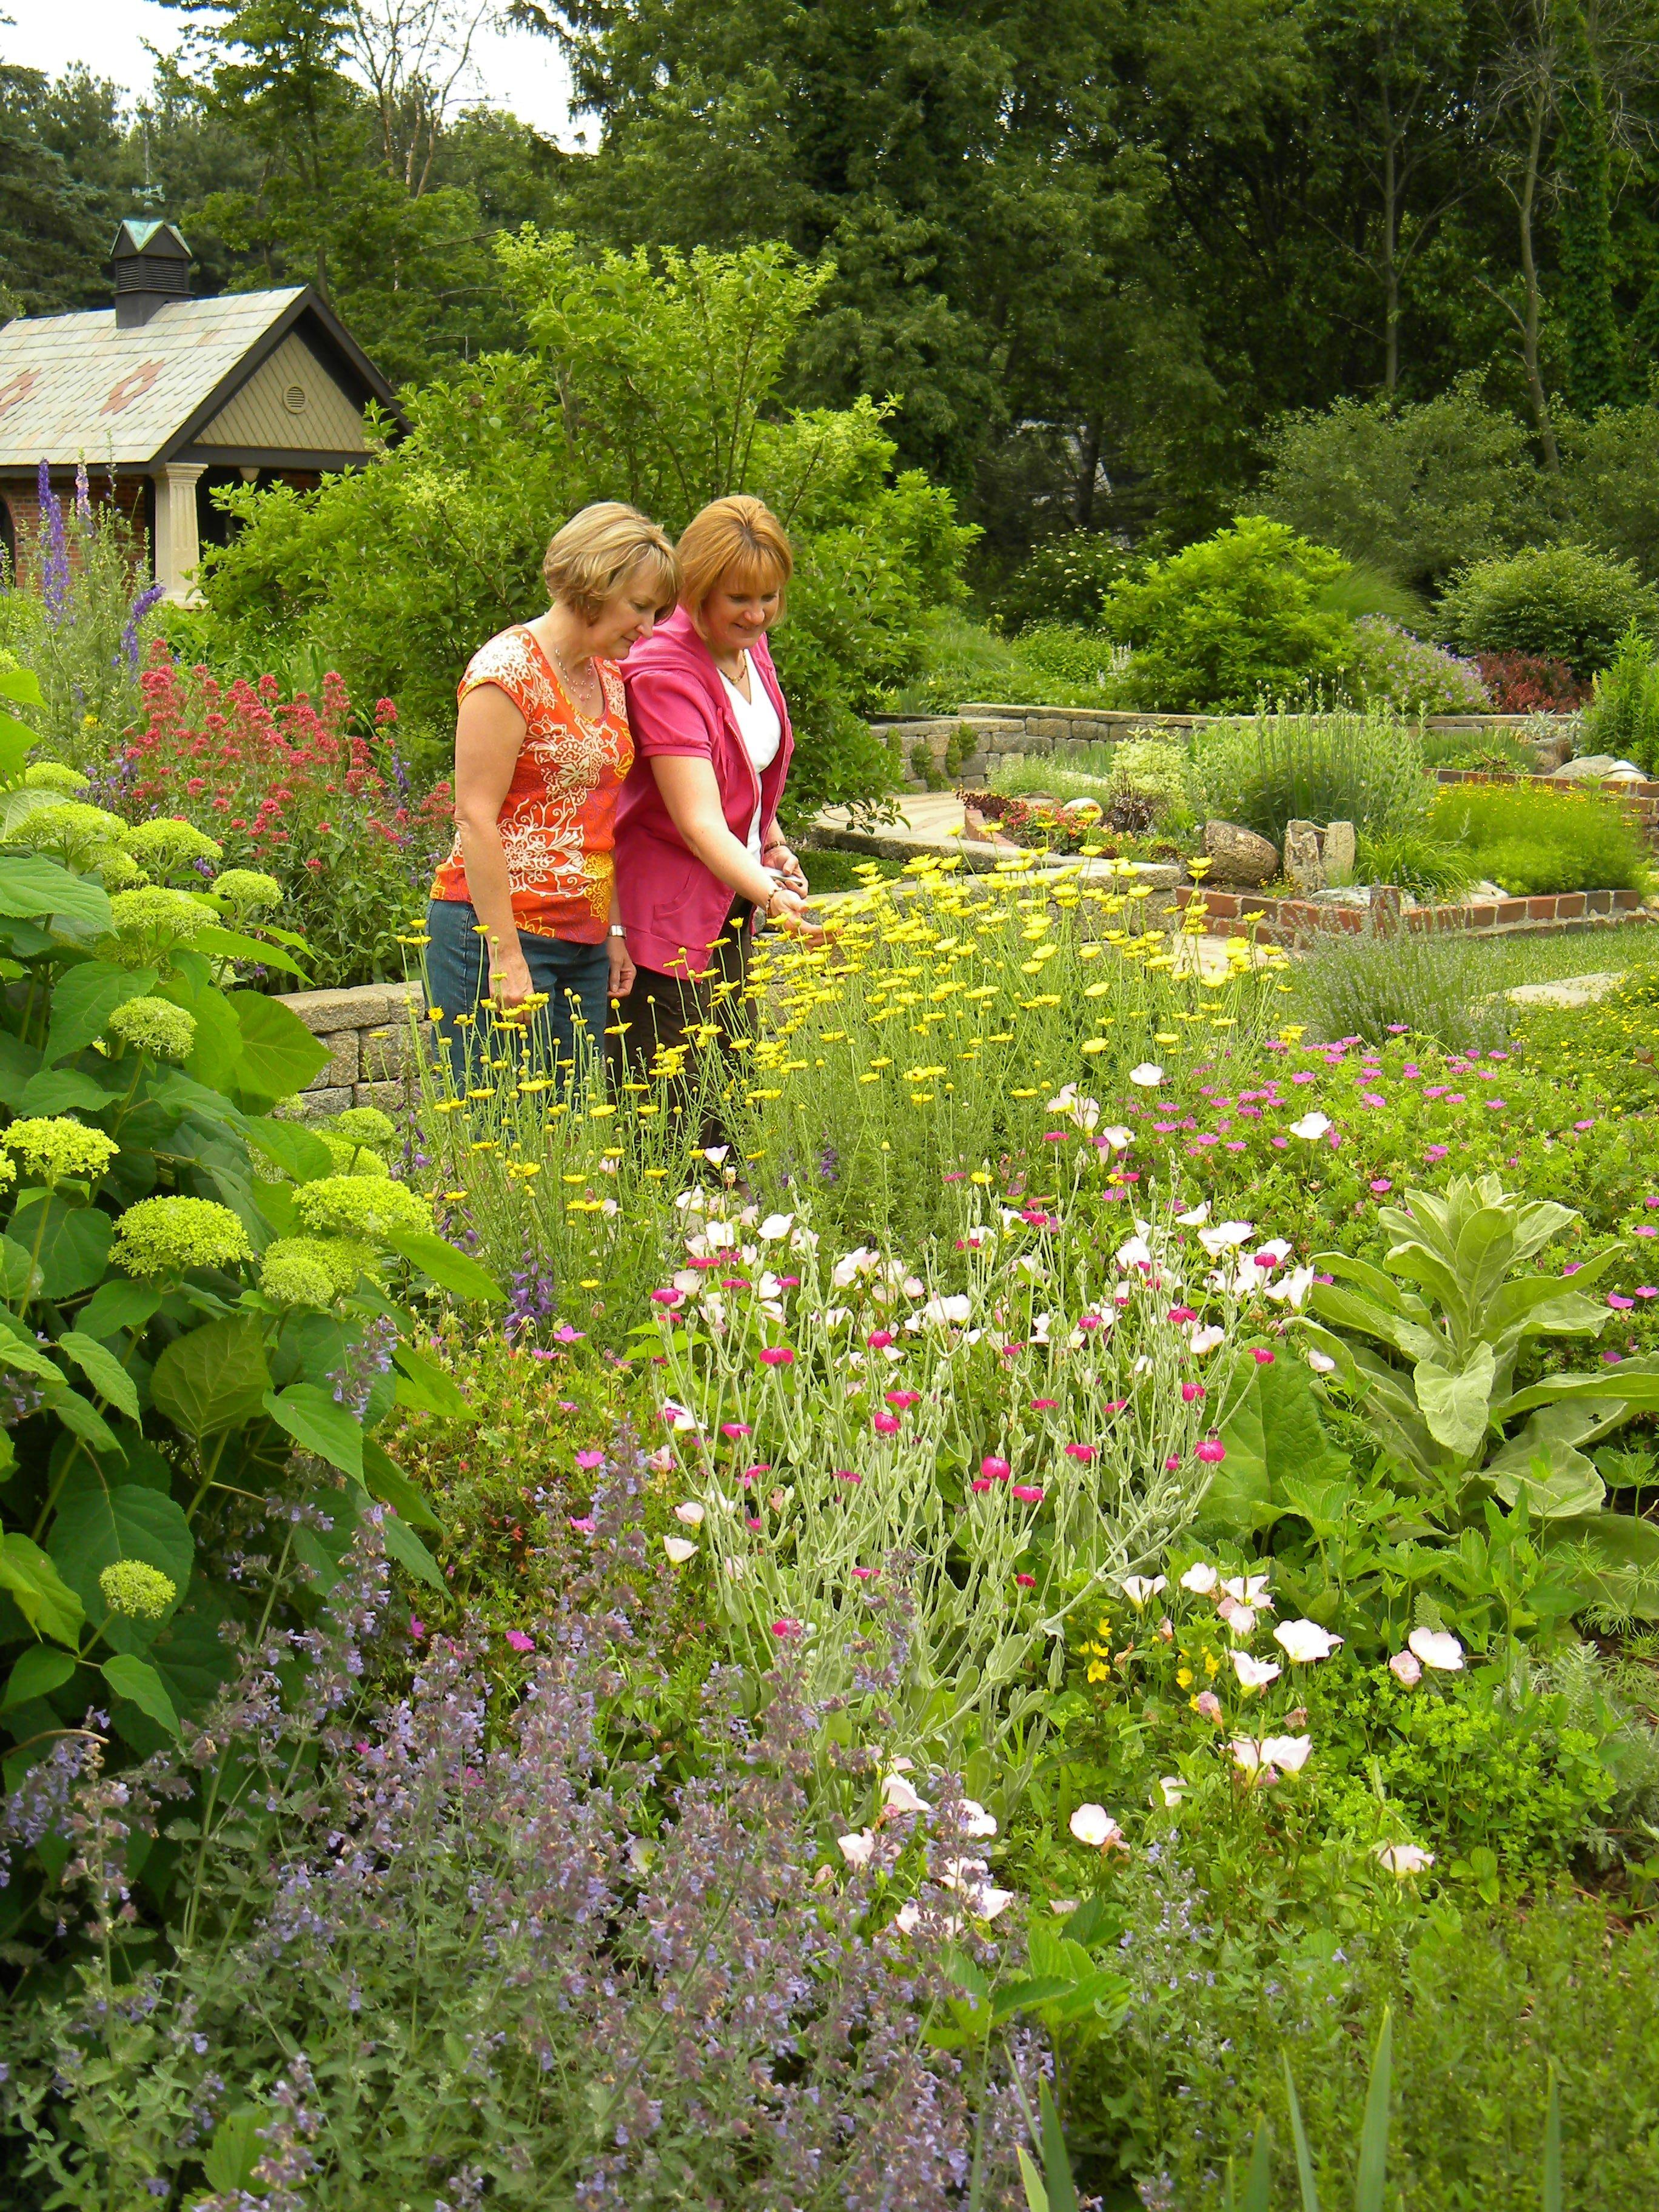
[81, 614]
[446, 1943]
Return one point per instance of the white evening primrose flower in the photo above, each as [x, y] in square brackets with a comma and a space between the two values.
[1443, 1653]
[1094, 1826]
[1240, 1619]
[1060, 1906]
[907, 1919]
[1312, 1126]
[1201, 1578]
[1118, 1137]
[857, 1851]
[1302, 1641]
[1171, 1789]
[1135, 1253]
[1287, 1752]
[1248, 1589]
[1322, 1363]
[897, 1797]
[679, 1550]
[774, 1226]
[1197, 1217]
[1254, 1673]
[1138, 1588]
[1225, 1237]
[1206, 1340]
[715, 1155]
[1403, 1859]
[986, 1902]
[973, 1819]
[690, 1513]
[1147, 1076]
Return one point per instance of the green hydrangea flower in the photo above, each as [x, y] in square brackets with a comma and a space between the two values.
[155, 1026]
[166, 846]
[70, 830]
[53, 775]
[119, 870]
[349, 1158]
[142, 1592]
[368, 1207]
[365, 1125]
[314, 1271]
[56, 1147]
[163, 1236]
[152, 918]
[247, 892]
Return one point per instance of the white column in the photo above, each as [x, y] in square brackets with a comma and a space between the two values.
[177, 547]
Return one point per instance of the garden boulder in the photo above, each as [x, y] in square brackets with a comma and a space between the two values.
[1239, 856]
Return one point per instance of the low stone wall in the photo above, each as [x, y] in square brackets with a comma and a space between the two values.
[1290, 921]
[1065, 732]
[371, 1045]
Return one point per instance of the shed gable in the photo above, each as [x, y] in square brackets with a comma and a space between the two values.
[290, 404]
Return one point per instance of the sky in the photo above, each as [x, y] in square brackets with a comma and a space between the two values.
[518, 71]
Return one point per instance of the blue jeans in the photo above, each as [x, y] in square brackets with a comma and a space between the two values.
[575, 977]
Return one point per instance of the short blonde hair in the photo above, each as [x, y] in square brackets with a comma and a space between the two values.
[598, 550]
[738, 542]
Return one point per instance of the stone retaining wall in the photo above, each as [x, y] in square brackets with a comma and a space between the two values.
[370, 1044]
[1288, 921]
[1065, 732]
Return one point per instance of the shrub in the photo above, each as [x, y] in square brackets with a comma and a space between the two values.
[1349, 766]
[1088, 660]
[1065, 581]
[1529, 838]
[1623, 715]
[1559, 602]
[1153, 771]
[81, 617]
[306, 790]
[1231, 622]
[1370, 982]
[1393, 667]
[1529, 684]
[1414, 489]
[1610, 463]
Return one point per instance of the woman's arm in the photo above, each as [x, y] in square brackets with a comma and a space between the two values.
[488, 731]
[692, 797]
[621, 966]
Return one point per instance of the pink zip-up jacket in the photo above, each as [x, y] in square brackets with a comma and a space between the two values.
[673, 907]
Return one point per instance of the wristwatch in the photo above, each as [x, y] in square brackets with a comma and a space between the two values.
[616, 930]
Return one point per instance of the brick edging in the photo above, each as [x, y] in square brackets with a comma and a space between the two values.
[1289, 921]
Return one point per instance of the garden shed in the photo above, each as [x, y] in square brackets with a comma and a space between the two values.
[169, 398]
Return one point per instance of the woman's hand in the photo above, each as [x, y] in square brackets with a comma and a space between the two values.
[786, 910]
[621, 967]
[785, 867]
[510, 983]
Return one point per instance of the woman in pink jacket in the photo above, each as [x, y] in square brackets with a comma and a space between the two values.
[699, 854]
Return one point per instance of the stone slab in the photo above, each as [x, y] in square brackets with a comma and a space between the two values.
[1567, 990]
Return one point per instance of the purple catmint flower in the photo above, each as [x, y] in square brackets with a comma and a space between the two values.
[83, 494]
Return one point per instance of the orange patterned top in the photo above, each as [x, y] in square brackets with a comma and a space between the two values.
[558, 819]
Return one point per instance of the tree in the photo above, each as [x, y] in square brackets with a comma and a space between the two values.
[1595, 373]
[53, 223]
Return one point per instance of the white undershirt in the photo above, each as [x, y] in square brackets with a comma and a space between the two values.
[761, 731]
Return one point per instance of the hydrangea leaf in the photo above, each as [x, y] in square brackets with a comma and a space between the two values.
[85, 997]
[299, 1152]
[213, 1378]
[387, 1482]
[62, 1090]
[117, 1304]
[279, 1056]
[140, 1684]
[402, 1545]
[39, 1672]
[319, 1424]
[424, 1386]
[74, 1248]
[103, 1371]
[100, 1524]
[33, 886]
[231, 944]
[450, 1269]
[43, 1598]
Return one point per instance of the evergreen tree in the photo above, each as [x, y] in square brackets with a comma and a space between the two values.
[1595, 356]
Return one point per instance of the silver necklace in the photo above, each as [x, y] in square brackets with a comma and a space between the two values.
[570, 683]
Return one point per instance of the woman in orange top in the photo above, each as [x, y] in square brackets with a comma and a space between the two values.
[525, 907]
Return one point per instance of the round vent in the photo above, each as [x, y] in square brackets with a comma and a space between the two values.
[295, 399]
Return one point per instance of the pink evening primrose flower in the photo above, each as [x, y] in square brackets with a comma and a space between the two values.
[1381, 1183]
[1619, 1304]
[1407, 1668]
[735, 1428]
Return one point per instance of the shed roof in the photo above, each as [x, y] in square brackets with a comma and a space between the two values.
[76, 387]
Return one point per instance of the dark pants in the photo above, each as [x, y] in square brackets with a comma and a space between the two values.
[574, 977]
[673, 1014]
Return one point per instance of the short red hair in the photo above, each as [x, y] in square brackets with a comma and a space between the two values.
[736, 541]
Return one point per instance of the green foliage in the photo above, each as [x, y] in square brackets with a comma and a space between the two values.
[1083, 661]
[1595, 373]
[1622, 717]
[1373, 982]
[1152, 769]
[501, 453]
[1561, 601]
[1064, 580]
[1416, 861]
[1415, 489]
[1441, 1395]
[1411, 675]
[1231, 622]
[1363, 767]
[152, 1389]
[1529, 837]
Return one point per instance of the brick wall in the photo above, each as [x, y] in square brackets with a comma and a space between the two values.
[1289, 921]
[371, 1045]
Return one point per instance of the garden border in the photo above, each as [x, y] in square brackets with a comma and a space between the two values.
[1292, 920]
